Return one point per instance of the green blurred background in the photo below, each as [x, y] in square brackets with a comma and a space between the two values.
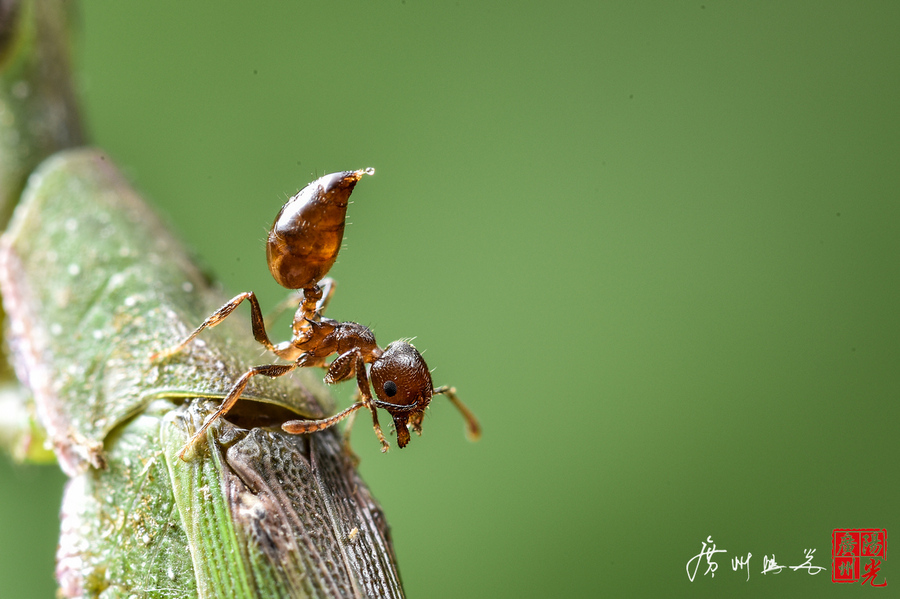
[654, 245]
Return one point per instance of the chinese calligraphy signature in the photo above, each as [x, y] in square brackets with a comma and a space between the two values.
[740, 562]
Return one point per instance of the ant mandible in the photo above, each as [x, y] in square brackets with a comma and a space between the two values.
[302, 246]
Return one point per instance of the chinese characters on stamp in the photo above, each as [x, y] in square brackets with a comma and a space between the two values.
[852, 547]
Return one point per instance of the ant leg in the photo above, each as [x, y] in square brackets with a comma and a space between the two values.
[473, 431]
[256, 321]
[270, 370]
[362, 381]
[342, 367]
[302, 427]
[375, 425]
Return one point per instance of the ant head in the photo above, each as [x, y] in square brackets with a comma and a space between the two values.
[403, 385]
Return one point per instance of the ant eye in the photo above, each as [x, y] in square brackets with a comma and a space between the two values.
[390, 388]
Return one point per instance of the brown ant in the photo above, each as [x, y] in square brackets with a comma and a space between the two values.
[302, 246]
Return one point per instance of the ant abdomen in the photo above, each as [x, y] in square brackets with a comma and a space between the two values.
[306, 236]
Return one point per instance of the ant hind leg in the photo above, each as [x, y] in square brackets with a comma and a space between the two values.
[256, 320]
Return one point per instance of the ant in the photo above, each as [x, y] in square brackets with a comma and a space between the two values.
[302, 246]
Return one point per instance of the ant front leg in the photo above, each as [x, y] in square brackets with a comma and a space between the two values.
[342, 367]
[270, 370]
[299, 427]
[256, 321]
[362, 381]
[302, 427]
[473, 429]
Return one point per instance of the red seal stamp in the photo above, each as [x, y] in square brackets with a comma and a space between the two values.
[855, 551]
